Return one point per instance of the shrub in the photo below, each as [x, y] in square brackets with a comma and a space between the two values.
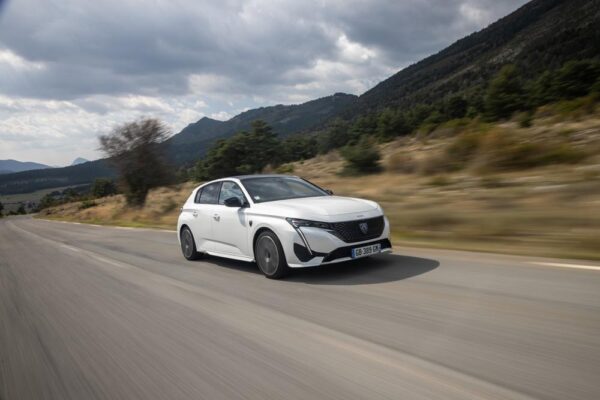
[168, 206]
[462, 149]
[525, 119]
[503, 150]
[440, 180]
[285, 169]
[575, 108]
[103, 187]
[87, 204]
[361, 158]
[21, 210]
[401, 162]
[505, 94]
[491, 182]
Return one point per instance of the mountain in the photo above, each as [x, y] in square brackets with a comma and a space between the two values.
[541, 35]
[79, 160]
[191, 143]
[29, 181]
[10, 166]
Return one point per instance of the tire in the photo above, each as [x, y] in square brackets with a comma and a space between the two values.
[269, 256]
[188, 245]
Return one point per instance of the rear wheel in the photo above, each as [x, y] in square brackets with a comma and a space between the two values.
[188, 245]
[269, 256]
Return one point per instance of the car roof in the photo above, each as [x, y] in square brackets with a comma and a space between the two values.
[242, 177]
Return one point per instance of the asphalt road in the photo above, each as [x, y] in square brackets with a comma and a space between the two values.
[92, 312]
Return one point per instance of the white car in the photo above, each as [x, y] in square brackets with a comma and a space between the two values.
[280, 222]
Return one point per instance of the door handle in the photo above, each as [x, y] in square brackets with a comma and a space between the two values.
[195, 214]
[216, 217]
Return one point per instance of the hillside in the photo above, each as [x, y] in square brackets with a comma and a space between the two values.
[501, 209]
[541, 35]
[193, 141]
[30, 181]
[11, 166]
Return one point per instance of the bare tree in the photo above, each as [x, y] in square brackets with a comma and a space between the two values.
[134, 148]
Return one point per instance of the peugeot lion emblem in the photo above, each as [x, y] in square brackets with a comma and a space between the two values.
[364, 227]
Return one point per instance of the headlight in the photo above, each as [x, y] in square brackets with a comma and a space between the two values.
[299, 223]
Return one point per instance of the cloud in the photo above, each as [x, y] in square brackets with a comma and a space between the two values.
[111, 61]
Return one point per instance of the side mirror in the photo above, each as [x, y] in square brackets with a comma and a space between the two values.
[233, 202]
[329, 191]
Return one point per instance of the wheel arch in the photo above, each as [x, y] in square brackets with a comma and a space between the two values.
[184, 225]
[257, 234]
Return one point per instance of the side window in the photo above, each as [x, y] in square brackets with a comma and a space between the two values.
[231, 189]
[197, 198]
[209, 194]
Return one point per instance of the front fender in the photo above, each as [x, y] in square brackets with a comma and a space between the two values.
[284, 231]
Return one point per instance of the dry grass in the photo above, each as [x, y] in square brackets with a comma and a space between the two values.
[547, 211]
[161, 209]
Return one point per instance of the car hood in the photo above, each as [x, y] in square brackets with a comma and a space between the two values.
[323, 208]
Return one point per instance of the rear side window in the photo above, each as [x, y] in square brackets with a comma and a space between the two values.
[209, 194]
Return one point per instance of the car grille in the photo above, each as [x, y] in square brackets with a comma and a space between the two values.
[350, 231]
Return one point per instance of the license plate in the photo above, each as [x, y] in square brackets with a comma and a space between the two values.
[366, 250]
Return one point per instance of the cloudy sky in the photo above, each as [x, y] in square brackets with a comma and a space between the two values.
[72, 69]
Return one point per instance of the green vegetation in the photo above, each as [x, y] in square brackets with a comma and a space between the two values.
[103, 187]
[494, 200]
[541, 36]
[547, 52]
[501, 149]
[361, 158]
[21, 210]
[87, 204]
[1, 209]
[505, 94]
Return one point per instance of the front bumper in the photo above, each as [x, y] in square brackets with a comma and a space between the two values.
[311, 247]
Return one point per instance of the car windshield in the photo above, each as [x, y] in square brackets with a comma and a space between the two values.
[273, 188]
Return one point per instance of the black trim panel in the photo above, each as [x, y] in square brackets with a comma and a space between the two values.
[303, 254]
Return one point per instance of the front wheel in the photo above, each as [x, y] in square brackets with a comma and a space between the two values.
[269, 256]
[188, 245]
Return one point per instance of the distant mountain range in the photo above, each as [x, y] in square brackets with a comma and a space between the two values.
[79, 160]
[191, 143]
[541, 35]
[11, 166]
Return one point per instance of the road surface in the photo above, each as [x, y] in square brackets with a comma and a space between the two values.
[91, 312]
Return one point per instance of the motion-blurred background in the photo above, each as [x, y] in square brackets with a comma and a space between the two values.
[492, 143]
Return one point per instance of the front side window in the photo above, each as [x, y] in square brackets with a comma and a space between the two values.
[209, 194]
[231, 189]
[263, 189]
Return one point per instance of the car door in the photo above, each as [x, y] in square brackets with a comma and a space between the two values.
[203, 211]
[229, 224]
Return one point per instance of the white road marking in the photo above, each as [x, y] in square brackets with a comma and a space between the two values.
[561, 265]
[66, 246]
[110, 226]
